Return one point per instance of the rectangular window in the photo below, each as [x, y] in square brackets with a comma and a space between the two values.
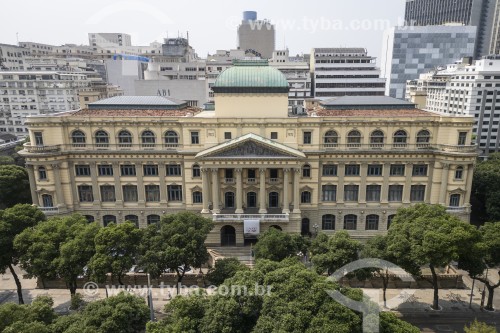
[397, 169]
[38, 138]
[130, 193]
[150, 170]
[373, 193]
[197, 197]
[274, 135]
[227, 135]
[352, 170]
[351, 192]
[374, 170]
[108, 193]
[417, 193]
[329, 193]
[105, 170]
[82, 170]
[329, 170]
[85, 193]
[174, 192]
[462, 138]
[420, 170]
[307, 138]
[251, 173]
[395, 193]
[127, 170]
[195, 138]
[173, 170]
[152, 193]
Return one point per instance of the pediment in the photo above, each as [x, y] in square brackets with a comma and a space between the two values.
[251, 146]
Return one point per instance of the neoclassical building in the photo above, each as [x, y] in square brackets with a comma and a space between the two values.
[347, 164]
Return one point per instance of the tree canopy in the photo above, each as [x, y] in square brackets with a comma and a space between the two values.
[486, 190]
[277, 245]
[224, 269]
[14, 186]
[331, 253]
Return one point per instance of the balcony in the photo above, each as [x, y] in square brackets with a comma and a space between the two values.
[251, 181]
[49, 210]
[81, 146]
[242, 217]
[399, 147]
[457, 210]
[274, 181]
[229, 181]
[42, 149]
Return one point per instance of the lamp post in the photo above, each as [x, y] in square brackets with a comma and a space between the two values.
[316, 228]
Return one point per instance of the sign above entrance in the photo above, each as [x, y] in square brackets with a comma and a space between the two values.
[251, 228]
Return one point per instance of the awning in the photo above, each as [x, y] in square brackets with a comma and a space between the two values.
[251, 228]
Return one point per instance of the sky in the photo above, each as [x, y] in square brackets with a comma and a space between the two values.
[300, 25]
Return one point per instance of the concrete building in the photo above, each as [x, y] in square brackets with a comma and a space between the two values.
[297, 73]
[109, 40]
[466, 89]
[216, 64]
[13, 57]
[345, 72]
[483, 14]
[125, 70]
[256, 37]
[250, 165]
[61, 51]
[410, 51]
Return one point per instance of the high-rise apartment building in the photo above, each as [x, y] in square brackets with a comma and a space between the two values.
[105, 40]
[345, 72]
[13, 57]
[256, 37]
[411, 51]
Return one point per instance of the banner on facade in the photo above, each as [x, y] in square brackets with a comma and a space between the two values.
[251, 228]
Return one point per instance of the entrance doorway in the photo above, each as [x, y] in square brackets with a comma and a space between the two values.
[227, 236]
[305, 231]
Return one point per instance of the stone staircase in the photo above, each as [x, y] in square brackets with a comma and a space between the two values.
[242, 253]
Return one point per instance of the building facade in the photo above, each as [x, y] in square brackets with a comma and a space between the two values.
[411, 51]
[345, 72]
[465, 89]
[13, 57]
[249, 165]
[256, 37]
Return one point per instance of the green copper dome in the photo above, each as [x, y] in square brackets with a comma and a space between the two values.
[251, 76]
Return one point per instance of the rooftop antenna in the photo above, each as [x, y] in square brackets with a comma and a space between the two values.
[17, 38]
[187, 36]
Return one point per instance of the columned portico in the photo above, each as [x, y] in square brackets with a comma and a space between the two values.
[31, 174]
[296, 190]
[239, 191]
[205, 190]
[286, 202]
[262, 194]
[215, 191]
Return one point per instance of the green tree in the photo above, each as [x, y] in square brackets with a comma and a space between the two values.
[331, 253]
[425, 235]
[275, 245]
[484, 253]
[13, 221]
[14, 186]
[6, 160]
[224, 269]
[177, 242]
[486, 190]
[478, 327]
[117, 247]
[26, 318]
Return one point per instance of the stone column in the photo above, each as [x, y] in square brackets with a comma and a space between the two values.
[140, 184]
[384, 195]
[407, 188]
[163, 186]
[95, 185]
[363, 172]
[340, 186]
[239, 191]
[205, 190]
[32, 178]
[262, 194]
[468, 187]
[59, 190]
[296, 191]
[444, 184]
[72, 183]
[118, 187]
[286, 201]
[215, 191]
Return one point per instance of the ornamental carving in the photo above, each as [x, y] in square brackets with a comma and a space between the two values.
[251, 149]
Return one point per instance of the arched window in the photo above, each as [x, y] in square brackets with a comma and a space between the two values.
[389, 220]
[423, 137]
[107, 219]
[251, 200]
[196, 171]
[101, 139]
[133, 218]
[148, 139]
[328, 222]
[274, 200]
[42, 173]
[305, 197]
[350, 222]
[171, 139]
[153, 219]
[306, 171]
[229, 200]
[372, 222]
[455, 200]
[124, 139]
[377, 139]
[354, 138]
[197, 197]
[47, 200]
[400, 138]
[331, 139]
[78, 139]
[459, 172]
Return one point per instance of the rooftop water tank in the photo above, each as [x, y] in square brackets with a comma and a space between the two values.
[249, 16]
